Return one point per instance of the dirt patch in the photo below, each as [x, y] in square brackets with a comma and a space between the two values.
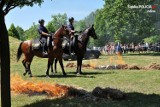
[154, 66]
[134, 67]
[122, 66]
[98, 94]
[71, 65]
[108, 93]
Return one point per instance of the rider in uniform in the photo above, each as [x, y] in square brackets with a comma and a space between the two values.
[71, 27]
[43, 32]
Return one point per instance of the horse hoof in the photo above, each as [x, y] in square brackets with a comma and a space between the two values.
[64, 74]
[30, 75]
[47, 76]
[78, 73]
[81, 73]
[24, 74]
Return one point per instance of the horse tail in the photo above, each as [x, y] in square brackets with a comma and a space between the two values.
[19, 52]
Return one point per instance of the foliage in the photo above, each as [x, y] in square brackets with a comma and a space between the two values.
[32, 32]
[85, 23]
[80, 25]
[56, 22]
[89, 20]
[116, 21]
[152, 39]
[20, 32]
[12, 31]
[7, 5]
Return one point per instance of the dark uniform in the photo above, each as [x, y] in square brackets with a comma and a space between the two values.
[70, 26]
[43, 38]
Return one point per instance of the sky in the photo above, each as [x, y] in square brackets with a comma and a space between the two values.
[26, 16]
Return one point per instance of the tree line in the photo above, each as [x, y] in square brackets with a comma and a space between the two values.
[115, 22]
[56, 21]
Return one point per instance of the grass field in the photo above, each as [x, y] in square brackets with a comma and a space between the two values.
[142, 86]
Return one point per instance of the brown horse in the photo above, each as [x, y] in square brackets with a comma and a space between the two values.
[54, 52]
[80, 50]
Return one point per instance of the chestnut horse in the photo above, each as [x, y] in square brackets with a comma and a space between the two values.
[80, 50]
[54, 52]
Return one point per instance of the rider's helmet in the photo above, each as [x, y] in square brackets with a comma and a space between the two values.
[71, 19]
[41, 21]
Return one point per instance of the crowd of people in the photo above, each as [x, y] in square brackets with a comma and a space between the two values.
[112, 48]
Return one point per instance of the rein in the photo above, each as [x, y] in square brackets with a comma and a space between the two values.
[56, 38]
[63, 38]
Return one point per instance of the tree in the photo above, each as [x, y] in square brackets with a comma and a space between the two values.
[124, 24]
[83, 24]
[21, 33]
[5, 7]
[12, 31]
[80, 25]
[56, 22]
[32, 32]
[104, 35]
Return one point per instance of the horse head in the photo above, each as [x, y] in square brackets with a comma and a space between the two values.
[61, 32]
[91, 32]
[66, 31]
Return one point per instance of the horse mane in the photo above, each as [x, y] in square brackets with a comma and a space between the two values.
[83, 34]
[56, 32]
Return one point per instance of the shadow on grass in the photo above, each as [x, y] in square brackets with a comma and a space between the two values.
[132, 100]
[61, 76]
[144, 54]
[73, 75]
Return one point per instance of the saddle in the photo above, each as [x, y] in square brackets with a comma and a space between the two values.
[37, 44]
[66, 44]
[74, 43]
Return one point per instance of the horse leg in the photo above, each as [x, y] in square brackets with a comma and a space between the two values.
[28, 64]
[27, 68]
[62, 67]
[28, 60]
[55, 65]
[50, 63]
[24, 64]
[48, 67]
[79, 65]
[52, 67]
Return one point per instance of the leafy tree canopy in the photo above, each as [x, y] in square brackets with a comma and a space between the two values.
[13, 32]
[7, 5]
[56, 22]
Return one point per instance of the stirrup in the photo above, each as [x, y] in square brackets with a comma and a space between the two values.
[72, 53]
[44, 53]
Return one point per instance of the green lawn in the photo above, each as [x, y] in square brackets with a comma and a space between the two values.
[142, 86]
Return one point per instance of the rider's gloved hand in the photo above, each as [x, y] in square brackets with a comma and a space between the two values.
[49, 35]
[78, 31]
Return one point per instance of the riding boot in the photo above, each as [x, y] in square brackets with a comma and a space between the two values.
[70, 48]
[43, 51]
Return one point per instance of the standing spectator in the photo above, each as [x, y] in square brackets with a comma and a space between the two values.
[118, 49]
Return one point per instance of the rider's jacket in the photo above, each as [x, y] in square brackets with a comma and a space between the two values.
[70, 26]
[41, 29]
